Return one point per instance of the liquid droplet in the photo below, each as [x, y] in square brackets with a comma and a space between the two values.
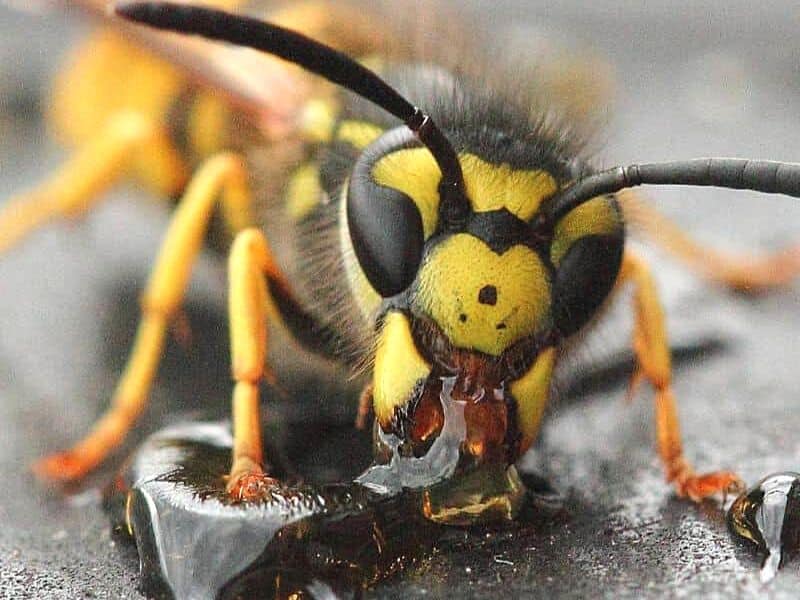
[768, 516]
[313, 541]
[448, 464]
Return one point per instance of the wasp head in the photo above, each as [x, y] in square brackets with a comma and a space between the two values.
[476, 290]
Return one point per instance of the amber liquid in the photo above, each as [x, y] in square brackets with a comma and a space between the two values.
[193, 542]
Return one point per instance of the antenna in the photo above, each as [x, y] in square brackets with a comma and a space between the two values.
[766, 176]
[313, 56]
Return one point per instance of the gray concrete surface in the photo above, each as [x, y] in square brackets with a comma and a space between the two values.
[694, 78]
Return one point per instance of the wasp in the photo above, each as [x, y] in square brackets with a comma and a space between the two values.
[452, 239]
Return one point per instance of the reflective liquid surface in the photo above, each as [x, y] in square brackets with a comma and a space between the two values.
[768, 515]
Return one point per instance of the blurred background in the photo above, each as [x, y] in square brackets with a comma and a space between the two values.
[682, 79]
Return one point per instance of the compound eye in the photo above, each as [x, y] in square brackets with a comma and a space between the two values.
[587, 253]
[385, 224]
[584, 279]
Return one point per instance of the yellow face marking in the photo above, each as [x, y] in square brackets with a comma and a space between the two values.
[595, 217]
[414, 172]
[398, 367]
[303, 192]
[358, 134]
[451, 292]
[492, 187]
[531, 392]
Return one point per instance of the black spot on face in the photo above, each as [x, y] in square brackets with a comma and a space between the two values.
[488, 295]
[462, 317]
[500, 326]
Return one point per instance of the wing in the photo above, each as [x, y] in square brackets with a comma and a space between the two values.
[266, 90]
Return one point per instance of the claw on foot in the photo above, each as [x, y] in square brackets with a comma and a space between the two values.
[62, 466]
[251, 486]
[699, 487]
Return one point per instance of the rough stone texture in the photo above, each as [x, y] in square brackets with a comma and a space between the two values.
[709, 78]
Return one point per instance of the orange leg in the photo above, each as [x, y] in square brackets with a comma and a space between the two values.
[79, 185]
[651, 346]
[221, 178]
[744, 273]
[249, 265]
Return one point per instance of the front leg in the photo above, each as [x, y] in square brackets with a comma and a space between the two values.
[223, 179]
[249, 267]
[650, 343]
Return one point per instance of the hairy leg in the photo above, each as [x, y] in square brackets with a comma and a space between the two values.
[650, 343]
[249, 268]
[221, 178]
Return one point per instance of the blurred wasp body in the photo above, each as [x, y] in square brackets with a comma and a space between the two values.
[453, 240]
